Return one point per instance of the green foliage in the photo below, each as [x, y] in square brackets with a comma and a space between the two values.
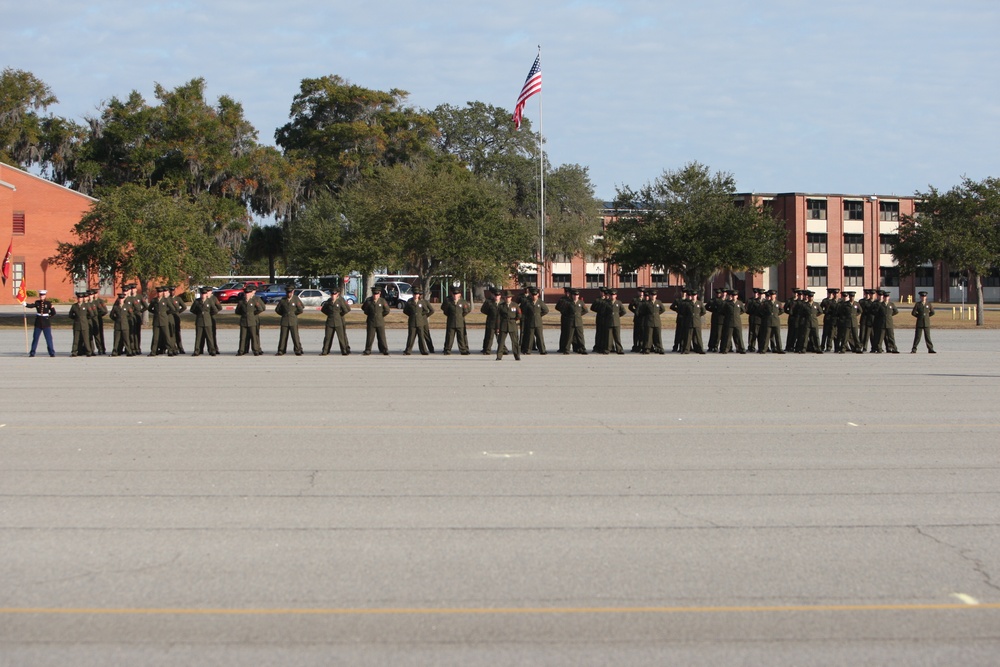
[484, 138]
[340, 132]
[687, 222]
[960, 227]
[141, 232]
[22, 129]
[322, 241]
[265, 242]
[189, 148]
[435, 218]
[573, 214]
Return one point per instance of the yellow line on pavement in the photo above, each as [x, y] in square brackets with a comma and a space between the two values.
[458, 611]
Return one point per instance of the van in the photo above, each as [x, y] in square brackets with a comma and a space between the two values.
[395, 292]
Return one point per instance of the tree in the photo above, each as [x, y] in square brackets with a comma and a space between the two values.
[960, 227]
[22, 129]
[321, 241]
[572, 212]
[687, 221]
[339, 132]
[190, 148]
[484, 138]
[436, 218]
[141, 232]
[265, 242]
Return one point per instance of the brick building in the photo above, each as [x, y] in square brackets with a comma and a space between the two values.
[37, 215]
[834, 240]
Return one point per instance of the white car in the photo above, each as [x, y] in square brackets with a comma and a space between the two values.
[312, 297]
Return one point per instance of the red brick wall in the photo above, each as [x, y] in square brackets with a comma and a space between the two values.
[50, 213]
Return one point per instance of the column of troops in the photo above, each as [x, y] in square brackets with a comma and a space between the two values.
[836, 324]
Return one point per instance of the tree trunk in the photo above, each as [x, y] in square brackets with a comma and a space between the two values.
[270, 267]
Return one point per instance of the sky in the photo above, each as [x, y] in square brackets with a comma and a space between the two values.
[854, 97]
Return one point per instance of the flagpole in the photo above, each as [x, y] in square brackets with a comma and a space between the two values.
[542, 282]
[24, 313]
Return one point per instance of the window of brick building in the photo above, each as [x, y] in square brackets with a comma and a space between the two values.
[562, 280]
[886, 242]
[18, 223]
[595, 280]
[854, 244]
[924, 277]
[992, 280]
[17, 274]
[854, 276]
[628, 279]
[816, 209]
[659, 280]
[528, 279]
[816, 276]
[854, 209]
[888, 211]
[815, 242]
[889, 276]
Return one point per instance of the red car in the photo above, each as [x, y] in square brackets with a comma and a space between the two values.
[231, 292]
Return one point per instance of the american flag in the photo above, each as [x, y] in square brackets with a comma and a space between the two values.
[532, 85]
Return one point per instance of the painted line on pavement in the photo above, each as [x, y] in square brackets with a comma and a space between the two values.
[967, 599]
[458, 611]
[480, 427]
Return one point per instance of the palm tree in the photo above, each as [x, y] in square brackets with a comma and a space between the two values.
[265, 241]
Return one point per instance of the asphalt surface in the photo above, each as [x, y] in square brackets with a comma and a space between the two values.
[560, 510]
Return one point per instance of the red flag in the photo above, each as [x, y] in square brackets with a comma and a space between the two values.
[532, 85]
[5, 271]
[21, 295]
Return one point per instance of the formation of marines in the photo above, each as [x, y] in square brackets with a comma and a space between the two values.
[837, 324]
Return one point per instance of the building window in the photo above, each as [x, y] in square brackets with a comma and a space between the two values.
[888, 211]
[18, 223]
[628, 279]
[595, 280]
[528, 279]
[816, 209]
[854, 276]
[659, 280]
[924, 276]
[17, 275]
[816, 276]
[886, 243]
[562, 280]
[889, 276]
[854, 210]
[854, 244]
[993, 279]
[958, 279]
[815, 242]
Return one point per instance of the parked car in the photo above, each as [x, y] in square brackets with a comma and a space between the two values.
[316, 297]
[229, 293]
[312, 297]
[272, 293]
[395, 292]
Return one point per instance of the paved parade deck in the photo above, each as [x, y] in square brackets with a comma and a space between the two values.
[565, 510]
